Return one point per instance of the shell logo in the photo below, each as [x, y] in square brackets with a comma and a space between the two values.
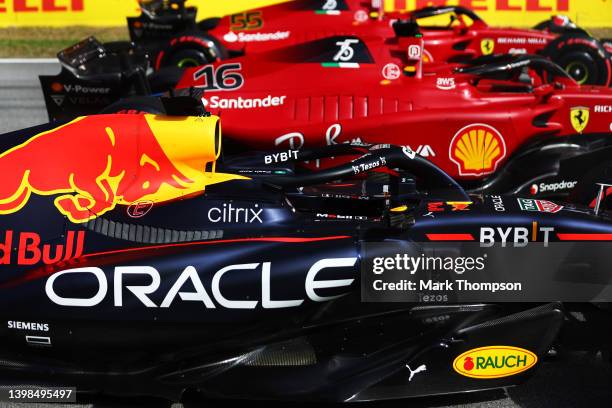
[494, 362]
[477, 150]
[57, 87]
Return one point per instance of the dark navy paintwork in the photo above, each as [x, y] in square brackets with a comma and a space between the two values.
[329, 347]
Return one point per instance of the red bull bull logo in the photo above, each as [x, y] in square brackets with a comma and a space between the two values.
[95, 163]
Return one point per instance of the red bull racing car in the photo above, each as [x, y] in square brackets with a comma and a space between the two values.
[169, 32]
[151, 264]
[506, 124]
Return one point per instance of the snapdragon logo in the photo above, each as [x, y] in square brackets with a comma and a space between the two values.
[413, 264]
[552, 187]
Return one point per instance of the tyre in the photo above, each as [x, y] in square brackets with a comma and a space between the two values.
[187, 58]
[137, 104]
[584, 65]
[191, 50]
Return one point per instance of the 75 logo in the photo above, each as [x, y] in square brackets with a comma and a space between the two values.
[225, 77]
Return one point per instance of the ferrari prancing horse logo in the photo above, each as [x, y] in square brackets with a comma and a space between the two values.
[579, 117]
[487, 46]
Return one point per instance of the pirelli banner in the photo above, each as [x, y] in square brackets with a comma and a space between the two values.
[587, 13]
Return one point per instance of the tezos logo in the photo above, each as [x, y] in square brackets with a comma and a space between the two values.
[494, 362]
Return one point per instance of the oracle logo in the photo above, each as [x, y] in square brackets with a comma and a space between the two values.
[316, 288]
[33, 6]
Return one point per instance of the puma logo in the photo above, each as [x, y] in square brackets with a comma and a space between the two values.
[420, 369]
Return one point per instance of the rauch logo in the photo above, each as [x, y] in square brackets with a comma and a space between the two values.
[494, 362]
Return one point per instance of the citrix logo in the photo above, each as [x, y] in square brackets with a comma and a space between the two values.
[230, 214]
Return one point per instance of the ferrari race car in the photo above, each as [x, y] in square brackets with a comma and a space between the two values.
[507, 124]
[168, 31]
[467, 36]
[150, 264]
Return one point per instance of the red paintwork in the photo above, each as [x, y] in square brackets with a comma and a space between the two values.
[300, 21]
[337, 105]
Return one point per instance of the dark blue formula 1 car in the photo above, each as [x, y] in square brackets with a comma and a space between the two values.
[138, 260]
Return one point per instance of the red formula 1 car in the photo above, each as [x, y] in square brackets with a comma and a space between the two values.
[173, 37]
[168, 30]
[507, 124]
[494, 126]
[467, 36]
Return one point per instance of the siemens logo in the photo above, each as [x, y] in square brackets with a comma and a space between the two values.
[28, 326]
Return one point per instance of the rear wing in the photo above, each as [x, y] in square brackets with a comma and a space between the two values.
[90, 57]
[155, 8]
[160, 20]
[93, 76]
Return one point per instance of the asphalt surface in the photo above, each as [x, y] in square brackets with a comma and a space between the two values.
[579, 380]
[21, 100]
